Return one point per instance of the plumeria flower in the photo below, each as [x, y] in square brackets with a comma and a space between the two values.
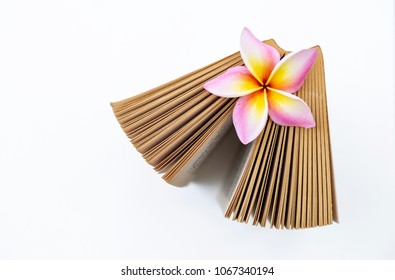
[264, 87]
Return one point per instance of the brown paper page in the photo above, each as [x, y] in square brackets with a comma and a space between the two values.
[185, 173]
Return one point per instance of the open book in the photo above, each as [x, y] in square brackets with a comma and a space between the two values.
[285, 176]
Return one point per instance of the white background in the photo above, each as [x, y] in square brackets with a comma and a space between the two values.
[72, 186]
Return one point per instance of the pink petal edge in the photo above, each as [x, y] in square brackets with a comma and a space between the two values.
[259, 57]
[289, 110]
[290, 73]
[250, 116]
[235, 82]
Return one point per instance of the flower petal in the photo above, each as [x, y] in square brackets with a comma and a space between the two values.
[259, 58]
[236, 81]
[288, 109]
[290, 72]
[250, 116]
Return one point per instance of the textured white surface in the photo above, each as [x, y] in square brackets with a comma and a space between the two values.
[72, 186]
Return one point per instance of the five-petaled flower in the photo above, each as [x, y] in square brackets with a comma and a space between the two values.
[264, 87]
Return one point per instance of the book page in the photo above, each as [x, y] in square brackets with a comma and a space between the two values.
[187, 171]
[235, 175]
